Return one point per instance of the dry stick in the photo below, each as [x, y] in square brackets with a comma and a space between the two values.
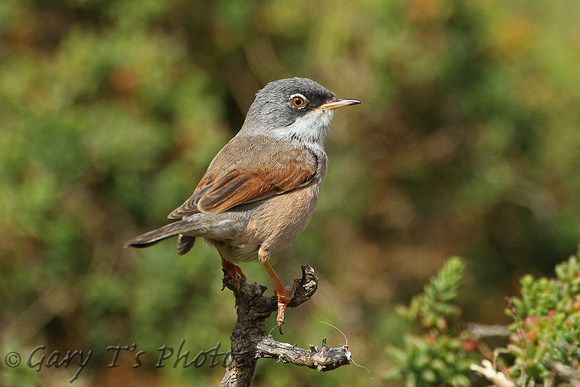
[249, 342]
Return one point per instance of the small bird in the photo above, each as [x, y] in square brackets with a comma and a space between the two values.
[259, 192]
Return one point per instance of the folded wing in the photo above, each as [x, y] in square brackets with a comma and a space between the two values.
[231, 179]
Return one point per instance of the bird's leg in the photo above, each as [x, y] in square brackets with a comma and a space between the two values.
[234, 270]
[284, 294]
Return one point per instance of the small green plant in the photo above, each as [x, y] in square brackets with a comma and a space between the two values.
[544, 343]
[442, 354]
[545, 339]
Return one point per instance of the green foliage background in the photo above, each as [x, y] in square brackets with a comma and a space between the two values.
[110, 110]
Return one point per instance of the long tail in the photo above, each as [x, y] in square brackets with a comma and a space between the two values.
[171, 230]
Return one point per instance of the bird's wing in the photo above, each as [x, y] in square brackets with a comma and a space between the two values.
[268, 168]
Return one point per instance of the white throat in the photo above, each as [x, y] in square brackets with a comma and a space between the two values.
[311, 127]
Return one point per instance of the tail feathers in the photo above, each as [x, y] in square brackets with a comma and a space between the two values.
[171, 230]
[184, 244]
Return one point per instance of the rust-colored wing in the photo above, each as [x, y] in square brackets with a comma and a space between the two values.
[249, 169]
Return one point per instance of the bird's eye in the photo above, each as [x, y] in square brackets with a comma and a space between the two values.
[298, 101]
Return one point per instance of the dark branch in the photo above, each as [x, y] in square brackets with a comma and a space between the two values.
[249, 342]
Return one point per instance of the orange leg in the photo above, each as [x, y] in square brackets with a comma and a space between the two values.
[284, 294]
[234, 271]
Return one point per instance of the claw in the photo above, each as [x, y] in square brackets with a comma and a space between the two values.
[234, 271]
[273, 329]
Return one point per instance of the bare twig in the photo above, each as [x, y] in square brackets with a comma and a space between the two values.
[490, 373]
[249, 342]
[569, 373]
[479, 331]
[325, 359]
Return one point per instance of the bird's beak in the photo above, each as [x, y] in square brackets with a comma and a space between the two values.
[335, 103]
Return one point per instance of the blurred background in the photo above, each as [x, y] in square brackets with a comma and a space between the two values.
[467, 143]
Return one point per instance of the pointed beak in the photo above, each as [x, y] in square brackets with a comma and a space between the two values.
[335, 103]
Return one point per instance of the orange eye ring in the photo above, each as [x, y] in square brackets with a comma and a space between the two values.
[298, 101]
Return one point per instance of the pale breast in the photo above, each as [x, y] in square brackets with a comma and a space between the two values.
[285, 217]
[273, 223]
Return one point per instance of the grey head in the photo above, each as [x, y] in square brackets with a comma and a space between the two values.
[293, 108]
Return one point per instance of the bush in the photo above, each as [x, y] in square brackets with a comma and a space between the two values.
[544, 344]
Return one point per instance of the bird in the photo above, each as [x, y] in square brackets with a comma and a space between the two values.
[260, 191]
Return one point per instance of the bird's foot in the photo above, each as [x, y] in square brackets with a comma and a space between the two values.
[234, 271]
[284, 299]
